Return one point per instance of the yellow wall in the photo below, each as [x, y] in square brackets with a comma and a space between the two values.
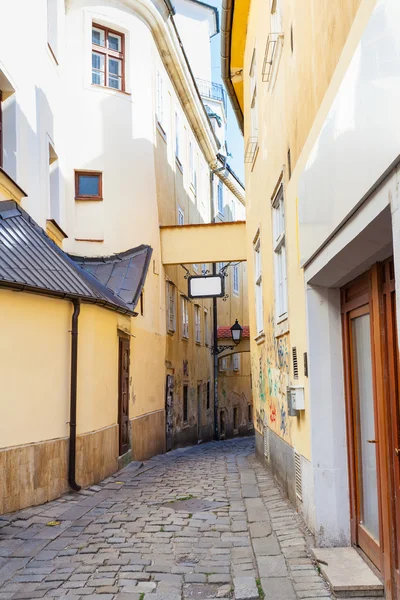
[287, 107]
[35, 358]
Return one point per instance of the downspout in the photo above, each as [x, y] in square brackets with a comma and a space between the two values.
[215, 320]
[74, 378]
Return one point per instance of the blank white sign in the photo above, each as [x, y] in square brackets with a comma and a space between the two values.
[205, 287]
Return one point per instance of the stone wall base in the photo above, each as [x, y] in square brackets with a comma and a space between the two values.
[36, 473]
[280, 461]
[148, 435]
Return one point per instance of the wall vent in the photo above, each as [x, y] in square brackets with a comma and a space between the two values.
[305, 364]
[295, 363]
[266, 441]
[297, 468]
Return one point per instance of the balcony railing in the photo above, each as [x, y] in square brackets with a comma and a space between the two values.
[208, 89]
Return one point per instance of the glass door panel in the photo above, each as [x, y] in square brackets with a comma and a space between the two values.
[365, 424]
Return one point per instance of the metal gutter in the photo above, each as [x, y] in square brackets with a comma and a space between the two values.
[228, 7]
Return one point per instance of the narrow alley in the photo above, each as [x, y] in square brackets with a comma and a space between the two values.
[231, 534]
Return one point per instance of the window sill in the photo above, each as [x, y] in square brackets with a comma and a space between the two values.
[255, 157]
[52, 54]
[161, 131]
[185, 339]
[236, 294]
[170, 332]
[88, 199]
[101, 240]
[110, 89]
[179, 164]
[193, 189]
[282, 326]
[260, 338]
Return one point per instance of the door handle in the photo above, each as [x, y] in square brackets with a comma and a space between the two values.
[397, 450]
[373, 442]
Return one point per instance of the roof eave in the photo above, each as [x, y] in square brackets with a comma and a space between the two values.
[226, 41]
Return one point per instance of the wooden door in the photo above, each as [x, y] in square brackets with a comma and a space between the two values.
[169, 405]
[391, 376]
[199, 413]
[123, 395]
[362, 419]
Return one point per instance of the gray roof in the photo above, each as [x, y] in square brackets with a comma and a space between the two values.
[123, 273]
[31, 261]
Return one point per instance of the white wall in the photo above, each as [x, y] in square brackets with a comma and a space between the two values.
[360, 137]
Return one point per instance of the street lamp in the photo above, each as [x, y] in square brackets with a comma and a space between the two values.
[236, 333]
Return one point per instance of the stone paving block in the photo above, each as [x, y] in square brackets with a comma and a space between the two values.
[219, 578]
[162, 596]
[272, 566]
[195, 578]
[260, 529]
[245, 588]
[278, 588]
[267, 546]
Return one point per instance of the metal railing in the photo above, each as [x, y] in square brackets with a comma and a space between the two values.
[208, 89]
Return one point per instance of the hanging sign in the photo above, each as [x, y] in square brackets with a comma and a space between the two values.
[206, 286]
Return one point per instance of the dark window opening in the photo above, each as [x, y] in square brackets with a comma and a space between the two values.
[291, 38]
[185, 403]
[235, 418]
[250, 413]
[88, 185]
[289, 162]
[222, 422]
[208, 395]
[142, 303]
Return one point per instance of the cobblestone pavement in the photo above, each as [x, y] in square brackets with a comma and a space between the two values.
[124, 540]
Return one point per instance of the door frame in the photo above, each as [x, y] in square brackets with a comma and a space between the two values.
[123, 341]
[368, 291]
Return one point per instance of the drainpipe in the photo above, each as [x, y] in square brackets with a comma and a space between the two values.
[215, 320]
[74, 377]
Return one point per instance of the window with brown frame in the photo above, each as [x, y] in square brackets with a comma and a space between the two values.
[88, 185]
[108, 48]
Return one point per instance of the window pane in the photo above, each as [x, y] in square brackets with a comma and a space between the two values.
[89, 185]
[114, 73]
[98, 37]
[114, 42]
[98, 68]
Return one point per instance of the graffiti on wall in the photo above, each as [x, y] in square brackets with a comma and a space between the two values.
[270, 369]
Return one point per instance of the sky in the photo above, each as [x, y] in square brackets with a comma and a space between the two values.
[234, 136]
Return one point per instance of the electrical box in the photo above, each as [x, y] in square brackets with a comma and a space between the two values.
[297, 397]
[292, 412]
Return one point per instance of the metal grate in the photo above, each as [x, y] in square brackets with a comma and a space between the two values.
[295, 363]
[266, 441]
[298, 478]
[269, 56]
[251, 149]
[305, 364]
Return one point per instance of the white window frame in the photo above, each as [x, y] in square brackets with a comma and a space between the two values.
[223, 364]
[258, 285]
[185, 317]
[192, 167]
[279, 247]
[236, 362]
[220, 197]
[197, 322]
[177, 139]
[171, 307]
[206, 331]
[181, 216]
[160, 101]
[236, 277]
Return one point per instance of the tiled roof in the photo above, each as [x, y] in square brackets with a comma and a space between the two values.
[31, 261]
[225, 332]
[123, 273]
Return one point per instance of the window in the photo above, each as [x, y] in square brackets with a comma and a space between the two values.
[233, 210]
[197, 323]
[185, 317]
[208, 395]
[236, 362]
[278, 207]
[236, 279]
[220, 197]
[88, 185]
[181, 216]
[107, 58]
[250, 413]
[195, 267]
[177, 133]
[206, 332]
[192, 167]
[224, 363]
[276, 16]
[160, 100]
[171, 316]
[253, 98]
[53, 11]
[54, 185]
[185, 403]
[258, 284]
